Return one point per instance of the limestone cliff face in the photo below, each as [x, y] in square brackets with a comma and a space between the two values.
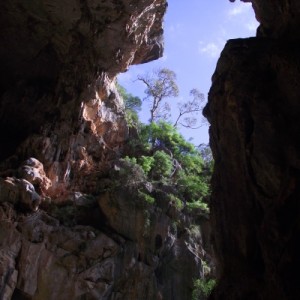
[59, 60]
[63, 233]
[254, 111]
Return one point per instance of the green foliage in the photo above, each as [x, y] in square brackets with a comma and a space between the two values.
[159, 153]
[130, 160]
[177, 202]
[131, 102]
[132, 118]
[194, 231]
[206, 268]
[192, 162]
[162, 165]
[132, 106]
[146, 197]
[165, 170]
[130, 173]
[192, 186]
[164, 135]
[167, 157]
[202, 288]
[146, 163]
[198, 205]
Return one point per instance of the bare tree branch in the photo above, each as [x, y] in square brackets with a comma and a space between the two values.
[190, 109]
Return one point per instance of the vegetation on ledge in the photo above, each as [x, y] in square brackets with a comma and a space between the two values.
[159, 167]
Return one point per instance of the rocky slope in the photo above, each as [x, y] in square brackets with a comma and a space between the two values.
[64, 232]
[254, 114]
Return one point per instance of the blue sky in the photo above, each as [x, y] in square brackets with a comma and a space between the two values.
[195, 34]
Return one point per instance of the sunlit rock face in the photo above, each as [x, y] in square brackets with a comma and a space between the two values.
[254, 111]
[63, 233]
[58, 62]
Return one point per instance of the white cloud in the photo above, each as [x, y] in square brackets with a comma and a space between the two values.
[211, 49]
[241, 20]
[239, 9]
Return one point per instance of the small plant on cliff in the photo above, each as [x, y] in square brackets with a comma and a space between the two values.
[202, 288]
[146, 197]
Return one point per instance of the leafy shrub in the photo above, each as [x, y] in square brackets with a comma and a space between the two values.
[130, 160]
[130, 173]
[132, 118]
[132, 105]
[192, 186]
[203, 288]
[162, 165]
[164, 135]
[146, 163]
[198, 205]
[146, 197]
[177, 202]
[192, 162]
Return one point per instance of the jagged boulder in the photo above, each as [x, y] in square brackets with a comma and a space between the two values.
[19, 192]
[32, 170]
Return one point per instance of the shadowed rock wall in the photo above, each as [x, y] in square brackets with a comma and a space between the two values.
[254, 111]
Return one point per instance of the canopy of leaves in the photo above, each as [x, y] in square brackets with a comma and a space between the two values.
[168, 158]
[163, 135]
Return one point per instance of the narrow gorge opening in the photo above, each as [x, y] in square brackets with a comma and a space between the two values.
[193, 42]
[194, 36]
[96, 202]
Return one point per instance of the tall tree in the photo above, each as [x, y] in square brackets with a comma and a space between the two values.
[160, 86]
